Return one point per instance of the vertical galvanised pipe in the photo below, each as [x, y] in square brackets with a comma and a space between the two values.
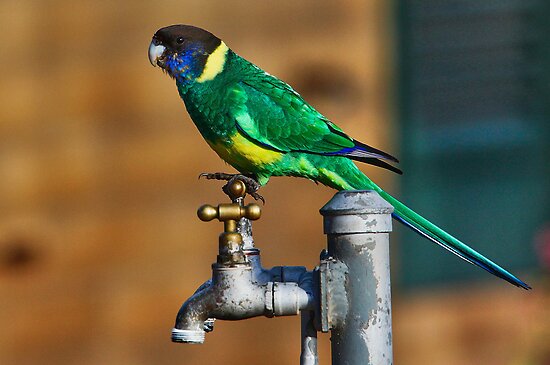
[308, 354]
[357, 224]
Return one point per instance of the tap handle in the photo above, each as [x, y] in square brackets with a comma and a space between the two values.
[226, 212]
[235, 189]
[207, 212]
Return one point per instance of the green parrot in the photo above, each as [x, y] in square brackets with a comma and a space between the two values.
[262, 127]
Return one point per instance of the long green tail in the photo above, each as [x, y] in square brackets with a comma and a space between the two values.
[357, 180]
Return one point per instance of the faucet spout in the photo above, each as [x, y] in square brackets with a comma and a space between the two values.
[233, 294]
[240, 287]
[190, 321]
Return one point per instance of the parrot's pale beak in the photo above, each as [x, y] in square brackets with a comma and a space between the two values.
[156, 52]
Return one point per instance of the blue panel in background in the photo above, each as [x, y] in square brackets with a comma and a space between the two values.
[474, 112]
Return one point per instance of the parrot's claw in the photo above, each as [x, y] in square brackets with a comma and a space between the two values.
[256, 196]
[218, 176]
[252, 186]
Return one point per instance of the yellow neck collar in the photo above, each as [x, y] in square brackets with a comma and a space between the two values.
[214, 64]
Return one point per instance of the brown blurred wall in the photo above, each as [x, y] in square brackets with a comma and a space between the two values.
[99, 242]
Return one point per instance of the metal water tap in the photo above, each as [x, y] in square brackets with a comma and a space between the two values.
[240, 288]
[347, 294]
[230, 241]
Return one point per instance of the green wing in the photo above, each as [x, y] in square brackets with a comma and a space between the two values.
[270, 113]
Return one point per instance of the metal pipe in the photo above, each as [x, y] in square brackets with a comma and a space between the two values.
[308, 354]
[240, 287]
[244, 227]
[357, 224]
[235, 294]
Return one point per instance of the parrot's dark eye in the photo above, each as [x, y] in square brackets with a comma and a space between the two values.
[179, 40]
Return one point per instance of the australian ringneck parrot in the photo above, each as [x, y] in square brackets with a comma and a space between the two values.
[262, 127]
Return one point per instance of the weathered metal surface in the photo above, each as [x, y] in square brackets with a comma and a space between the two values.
[357, 292]
[349, 295]
[356, 202]
[333, 294]
[308, 353]
[235, 292]
[244, 227]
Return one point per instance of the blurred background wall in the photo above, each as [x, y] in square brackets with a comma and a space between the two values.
[99, 242]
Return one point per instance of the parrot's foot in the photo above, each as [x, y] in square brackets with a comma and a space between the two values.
[252, 186]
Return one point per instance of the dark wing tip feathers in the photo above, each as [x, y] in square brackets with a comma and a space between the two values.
[365, 153]
[375, 151]
[379, 163]
[360, 146]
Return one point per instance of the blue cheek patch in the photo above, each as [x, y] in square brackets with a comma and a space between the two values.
[185, 66]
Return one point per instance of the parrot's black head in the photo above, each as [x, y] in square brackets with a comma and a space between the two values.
[187, 53]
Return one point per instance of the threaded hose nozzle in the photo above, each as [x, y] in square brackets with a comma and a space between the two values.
[188, 336]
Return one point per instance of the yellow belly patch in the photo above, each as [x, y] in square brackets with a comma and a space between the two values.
[245, 155]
